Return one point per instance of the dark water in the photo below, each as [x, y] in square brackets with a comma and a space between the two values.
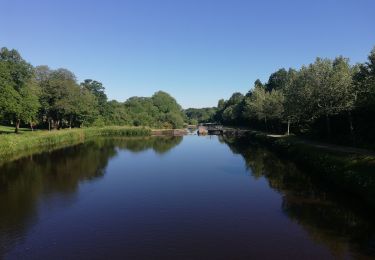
[174, 198]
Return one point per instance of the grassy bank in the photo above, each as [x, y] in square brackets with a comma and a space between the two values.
[14, 146]
[351, 172]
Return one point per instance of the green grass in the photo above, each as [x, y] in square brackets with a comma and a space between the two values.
[14, 146]
[10, 129]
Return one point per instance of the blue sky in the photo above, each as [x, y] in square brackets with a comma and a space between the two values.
[197, 50]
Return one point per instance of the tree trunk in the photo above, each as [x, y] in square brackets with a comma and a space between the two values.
[18, 121]
[49, 124]
[328, 122]
[351, 126]
[70, 122]
[288, 126]
[31, 126]
[265, 121]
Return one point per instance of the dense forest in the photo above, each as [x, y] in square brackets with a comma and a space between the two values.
[53, 99]
[327, 99]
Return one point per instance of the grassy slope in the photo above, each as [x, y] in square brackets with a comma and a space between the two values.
[13, 146]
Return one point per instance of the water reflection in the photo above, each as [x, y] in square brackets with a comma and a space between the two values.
[331, 218]
[160, 145]
[26, 182]
[197, 205]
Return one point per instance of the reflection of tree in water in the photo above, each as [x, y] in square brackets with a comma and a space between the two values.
[160, 144]
[331, 218]
[25, 182]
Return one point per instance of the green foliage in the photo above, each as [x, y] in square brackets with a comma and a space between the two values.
[99, 122]
[30, 104]
[278, 80]
[364, 82]
[326, 99]
[264, 105]
[97, 89]
[54, 99]
[164, 102]
[64, 102]
[230, 111]
[200, 115]
[18, 95]
[159, 111]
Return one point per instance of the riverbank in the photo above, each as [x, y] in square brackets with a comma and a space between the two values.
[350, 170]
[14, 146]
[168, 132]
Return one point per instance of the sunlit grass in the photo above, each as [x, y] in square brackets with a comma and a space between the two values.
[10, 129]
[13, 146]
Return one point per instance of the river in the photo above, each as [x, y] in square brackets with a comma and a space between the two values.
[188, 197]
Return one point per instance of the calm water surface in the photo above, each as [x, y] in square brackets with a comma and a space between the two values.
[174, 198]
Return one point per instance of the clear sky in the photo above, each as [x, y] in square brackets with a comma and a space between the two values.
[197, 50]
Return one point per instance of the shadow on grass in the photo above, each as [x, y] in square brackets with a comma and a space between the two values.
[10, 130]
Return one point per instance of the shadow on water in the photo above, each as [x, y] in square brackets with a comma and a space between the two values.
[331, 218]
[25, 182]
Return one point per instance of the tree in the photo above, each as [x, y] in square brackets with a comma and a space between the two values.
[232, 110]
[277, 80]
[264, 105]
[296, 98]
[364, 82]
[8, 95]
[255, 104]
[31, 105]
[17, 87]
[167, 105]
[165, 102]
[273, 104]
[200, 115]
[87, 108]
[60, 92]
[98, 90]
[117, 114]
[42, 77]
[221, 104]
[331, 84]
[40, 95]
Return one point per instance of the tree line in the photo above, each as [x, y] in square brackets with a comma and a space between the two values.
[329, 98]
[199, 115]
[53, 99]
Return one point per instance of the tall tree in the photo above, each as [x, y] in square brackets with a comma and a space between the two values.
[277, 80]
[42, 77]
[364, 81]
[30, 104]
[17, 87]
[59, 95]
[255, 104]
[331, 83]
[98, 90]
[296, 98]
